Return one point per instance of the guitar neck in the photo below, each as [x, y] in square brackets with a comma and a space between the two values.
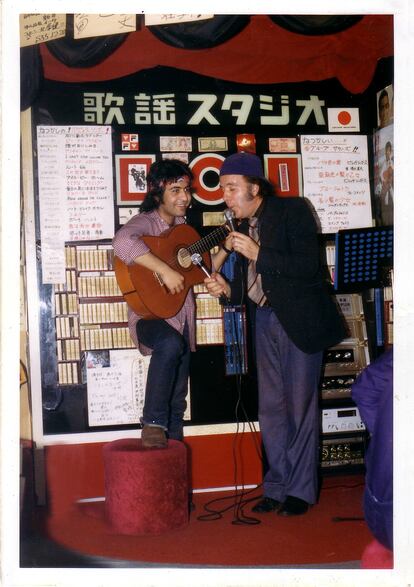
[209, 241]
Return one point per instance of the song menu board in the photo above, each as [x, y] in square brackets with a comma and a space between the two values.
[336, 180]
[75, 190]
[116, 387]
[116, 390]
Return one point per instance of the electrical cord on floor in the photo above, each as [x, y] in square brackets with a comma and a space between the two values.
[239, 517]
[240, 497]
[217, 514]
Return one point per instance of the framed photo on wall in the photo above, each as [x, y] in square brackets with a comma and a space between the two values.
[385, 106]
[383, 140]
[285, 173]
[131, 178]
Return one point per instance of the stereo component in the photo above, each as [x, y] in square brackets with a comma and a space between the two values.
[341, 420]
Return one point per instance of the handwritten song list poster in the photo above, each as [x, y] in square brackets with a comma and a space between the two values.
[336, 180]
[116, 390]
[75, 191]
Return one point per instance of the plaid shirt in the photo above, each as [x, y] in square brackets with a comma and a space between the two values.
[127, 246]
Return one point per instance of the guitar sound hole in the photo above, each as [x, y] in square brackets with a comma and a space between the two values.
[184, 258]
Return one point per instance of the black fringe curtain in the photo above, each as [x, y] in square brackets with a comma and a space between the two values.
[31, 75]
[189, 35]
[200, 35]
[83, 52]
[316, 24]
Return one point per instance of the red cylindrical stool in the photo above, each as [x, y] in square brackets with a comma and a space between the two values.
[146, 490]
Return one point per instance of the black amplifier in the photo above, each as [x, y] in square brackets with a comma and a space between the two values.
[341, 452]
[337, 386]
[350, 356]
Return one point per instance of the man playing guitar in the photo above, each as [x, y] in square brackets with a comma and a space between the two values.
[170, 340]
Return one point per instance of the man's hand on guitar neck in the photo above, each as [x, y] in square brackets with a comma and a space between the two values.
[173, 280]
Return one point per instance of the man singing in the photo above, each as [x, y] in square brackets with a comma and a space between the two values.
[294, 319]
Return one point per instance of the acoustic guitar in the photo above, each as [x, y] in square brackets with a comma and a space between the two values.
[143, 289]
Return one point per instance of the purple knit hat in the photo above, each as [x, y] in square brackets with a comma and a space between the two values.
[242, 164]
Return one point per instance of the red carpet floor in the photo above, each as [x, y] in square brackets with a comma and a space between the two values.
[315, 538]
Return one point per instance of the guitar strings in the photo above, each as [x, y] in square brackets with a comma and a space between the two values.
[208, 241]
[203, 244]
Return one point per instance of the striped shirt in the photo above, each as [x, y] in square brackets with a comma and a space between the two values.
[127, 246]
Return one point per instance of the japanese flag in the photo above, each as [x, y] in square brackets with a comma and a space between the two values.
[343, 119]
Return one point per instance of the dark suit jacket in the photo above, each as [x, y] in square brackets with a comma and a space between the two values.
[289, 263]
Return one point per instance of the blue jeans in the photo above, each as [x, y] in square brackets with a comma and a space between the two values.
[167, 380]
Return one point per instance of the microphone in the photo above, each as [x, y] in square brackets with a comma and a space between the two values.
[197, 259]
[229, 216]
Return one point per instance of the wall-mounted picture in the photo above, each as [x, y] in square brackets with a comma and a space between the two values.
[383, 140]
[385, 106]
[285, 173]
[131, 178]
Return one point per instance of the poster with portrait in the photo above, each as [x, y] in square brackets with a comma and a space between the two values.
[385, 106]
[384, 175]
[131, 178]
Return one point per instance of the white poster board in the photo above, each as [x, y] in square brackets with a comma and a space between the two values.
[116, 387]
[116, 391]
[75, 191]
[40, 28]
[336, 180]
[96, 25]
[161, 19]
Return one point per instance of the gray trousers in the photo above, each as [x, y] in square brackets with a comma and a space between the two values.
[288, 411]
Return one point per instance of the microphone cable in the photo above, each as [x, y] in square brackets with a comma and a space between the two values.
[240, 498]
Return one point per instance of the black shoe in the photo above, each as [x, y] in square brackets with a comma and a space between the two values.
[293, 506]
[265, 505]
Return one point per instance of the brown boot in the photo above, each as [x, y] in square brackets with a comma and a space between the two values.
[153, 437]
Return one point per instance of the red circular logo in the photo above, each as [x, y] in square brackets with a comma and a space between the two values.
[206, 183]
[344, 118]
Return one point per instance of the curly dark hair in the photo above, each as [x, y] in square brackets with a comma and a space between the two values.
[161, 173]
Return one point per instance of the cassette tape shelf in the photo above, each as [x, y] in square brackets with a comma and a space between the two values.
[90, 313]
[209, 317]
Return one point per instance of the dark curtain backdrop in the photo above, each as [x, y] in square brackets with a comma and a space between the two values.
[247, 49]
[262, 52]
